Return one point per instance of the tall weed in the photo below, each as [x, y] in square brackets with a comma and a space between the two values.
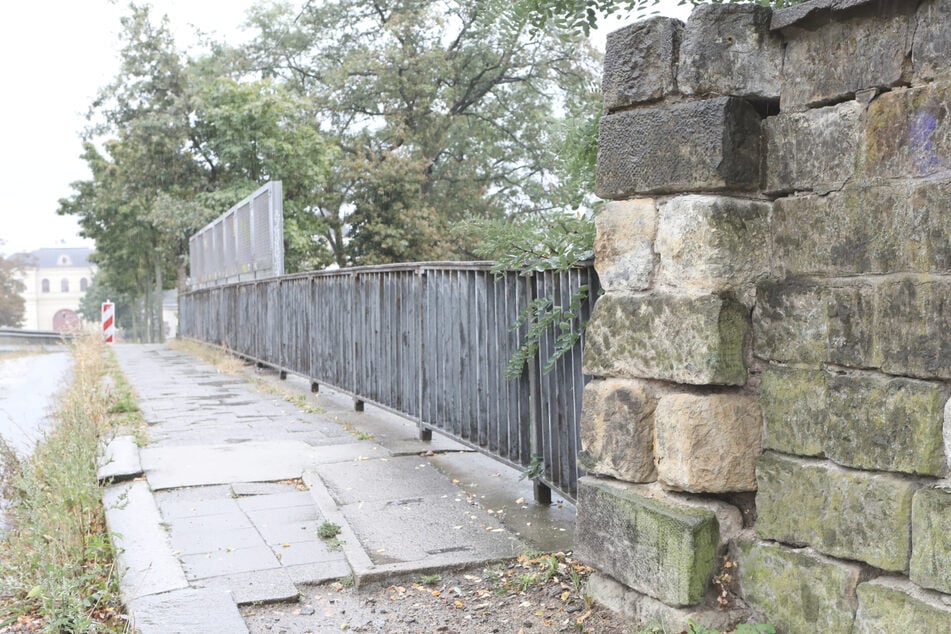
[57, 560]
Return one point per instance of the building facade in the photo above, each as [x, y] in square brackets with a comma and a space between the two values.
[56, 280]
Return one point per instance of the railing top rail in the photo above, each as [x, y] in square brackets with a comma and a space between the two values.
[355, 271]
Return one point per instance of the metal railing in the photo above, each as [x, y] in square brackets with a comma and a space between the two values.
[429, 341]
[244, 243]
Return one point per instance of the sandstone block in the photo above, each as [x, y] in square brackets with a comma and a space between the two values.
[908, 134]
[914, 319]
[798, 590]
[886, 424]
[839, 512]
[617, 430]
[931, 539]
[658, 546]
[851, 317]
[892, 605]
[815, 150]
[640, 62]
[932, 47]
[707, 146]
[708, 443]
[794, 410]
[623, 248]
[728, 50]
[808, 323]
[713, 243]
[790, 322]
[841, 57]
[864, 230]
[644, 611]
[947, 433]
[695, 340]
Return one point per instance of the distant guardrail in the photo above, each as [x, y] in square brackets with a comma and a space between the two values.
[15, 336]
[430, 341]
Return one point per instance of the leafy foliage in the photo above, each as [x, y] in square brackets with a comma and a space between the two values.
[583, 15]
[12, 308]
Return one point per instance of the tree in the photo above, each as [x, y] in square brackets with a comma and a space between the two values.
[582, 15]
[439, 112]
[12, 307]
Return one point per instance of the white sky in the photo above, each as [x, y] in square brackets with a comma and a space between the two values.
[54, 56]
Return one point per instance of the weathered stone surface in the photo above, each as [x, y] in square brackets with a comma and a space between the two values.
[931, 539]
[914, 318]
[708, 443]
[797, 590]
[864, 230]
[789, 16]
[851, 317]
[617, 430]
[790, 322]
[843, 513]
[728, 50]
[794, 410]
[815, 150]
[947, 433]
[623, 248]
[707, 146]
[658, 546]
[713, 243]
[189, 610]
[892, 605]
[932, 47]
[840, 57]
[908, 132]
[696, 340]
[120, 461]
[887, 424]
[804, 322]
[640, 62]
[641, 610]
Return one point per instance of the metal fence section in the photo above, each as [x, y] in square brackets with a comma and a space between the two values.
[244, 243]
[429, 341]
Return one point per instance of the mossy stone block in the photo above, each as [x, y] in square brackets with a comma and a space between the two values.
[650, 542]
[931, 539]
[914, 318]
[886, 423]
[890, 605]
[798, 590]
[794, 410]
[844, 513]
[682, 338]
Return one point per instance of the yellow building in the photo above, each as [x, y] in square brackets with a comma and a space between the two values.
[56, 280]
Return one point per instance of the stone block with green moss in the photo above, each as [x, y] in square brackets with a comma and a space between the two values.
[797, 590]
[931, 539]
[840, 512]
[649, 541]
[890, 604]
[682, 338]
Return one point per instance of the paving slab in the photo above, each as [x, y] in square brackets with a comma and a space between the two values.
[201, 465]
[189, 611]
[391, 479]
[260, 586]
[120, 460]
[145, 560]
[229, 562]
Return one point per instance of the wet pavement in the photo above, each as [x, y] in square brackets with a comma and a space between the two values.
[239, 483]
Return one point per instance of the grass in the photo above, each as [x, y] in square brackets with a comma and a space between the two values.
[57, 564]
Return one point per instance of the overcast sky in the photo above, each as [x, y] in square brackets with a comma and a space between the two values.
[54, 56]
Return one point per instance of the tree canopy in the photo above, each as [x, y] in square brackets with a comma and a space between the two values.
[12, 308]
[388, 122]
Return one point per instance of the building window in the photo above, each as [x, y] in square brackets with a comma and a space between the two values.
[83, 284]
[64, 285]
[46, 286]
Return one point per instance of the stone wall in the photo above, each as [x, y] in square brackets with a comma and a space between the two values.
[769, 429]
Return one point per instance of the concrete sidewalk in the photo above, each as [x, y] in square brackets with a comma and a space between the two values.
[237, 481]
